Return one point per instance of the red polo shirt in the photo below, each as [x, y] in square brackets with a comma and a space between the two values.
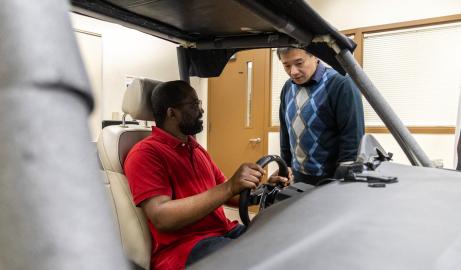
[163, 165]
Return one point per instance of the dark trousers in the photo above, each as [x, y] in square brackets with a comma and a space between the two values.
[211, 244]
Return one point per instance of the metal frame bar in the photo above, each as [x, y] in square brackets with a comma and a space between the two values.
[248, 42]
[282, 24]
[104, 11]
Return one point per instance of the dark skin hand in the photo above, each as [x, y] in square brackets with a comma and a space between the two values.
[273, 179]
[170, 215]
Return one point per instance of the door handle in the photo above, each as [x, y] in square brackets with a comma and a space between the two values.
[255, 140]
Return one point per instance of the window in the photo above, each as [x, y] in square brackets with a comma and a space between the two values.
[418, 71]
[249, 94]
[278, 79]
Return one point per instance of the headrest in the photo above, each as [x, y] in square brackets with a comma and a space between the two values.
[114, 143]
[136, 101]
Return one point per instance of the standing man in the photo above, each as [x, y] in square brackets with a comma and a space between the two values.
[321, 117]
[180, 189]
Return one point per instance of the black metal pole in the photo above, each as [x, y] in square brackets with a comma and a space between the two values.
[281, 23]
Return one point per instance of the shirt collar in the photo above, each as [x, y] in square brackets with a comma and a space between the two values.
[318, 72]
[166, 138]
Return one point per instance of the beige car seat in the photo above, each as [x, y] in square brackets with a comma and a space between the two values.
[113, 145]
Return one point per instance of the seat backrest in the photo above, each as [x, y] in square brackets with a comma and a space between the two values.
[113, 145]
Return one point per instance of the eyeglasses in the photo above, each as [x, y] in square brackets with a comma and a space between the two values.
[196, 103]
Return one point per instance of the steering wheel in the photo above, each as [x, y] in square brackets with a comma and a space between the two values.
[263, 192]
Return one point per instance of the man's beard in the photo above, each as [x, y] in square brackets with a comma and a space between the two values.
[191, 126]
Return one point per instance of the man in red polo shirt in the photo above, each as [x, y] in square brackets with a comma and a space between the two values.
[177, 184]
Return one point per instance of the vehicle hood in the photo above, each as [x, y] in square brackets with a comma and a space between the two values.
[412, 224]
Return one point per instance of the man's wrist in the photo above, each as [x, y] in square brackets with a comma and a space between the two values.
[228, 189]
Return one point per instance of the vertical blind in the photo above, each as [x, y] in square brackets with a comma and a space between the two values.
[418, 71]
[278, 79]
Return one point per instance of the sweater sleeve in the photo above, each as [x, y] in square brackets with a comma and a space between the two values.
[285, 152]
[350, 119]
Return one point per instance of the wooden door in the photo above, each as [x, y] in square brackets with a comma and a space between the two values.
[236, 110]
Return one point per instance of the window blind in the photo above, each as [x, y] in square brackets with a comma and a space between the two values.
[418, 71]
[278, 79]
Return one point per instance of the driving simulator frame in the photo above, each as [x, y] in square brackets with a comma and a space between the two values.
[54, 209]
[402, 135]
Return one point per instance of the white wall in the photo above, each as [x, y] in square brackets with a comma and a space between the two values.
[201, 86]
[273, 148]
[127, 52]
[349, 14]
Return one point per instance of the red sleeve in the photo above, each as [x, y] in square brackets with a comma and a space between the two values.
[218, 174]
[147, 175]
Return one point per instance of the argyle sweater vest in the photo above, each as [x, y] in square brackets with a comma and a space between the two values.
[306, 128]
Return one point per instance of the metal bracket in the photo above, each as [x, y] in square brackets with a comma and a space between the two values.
[372, 178]
[329, 40]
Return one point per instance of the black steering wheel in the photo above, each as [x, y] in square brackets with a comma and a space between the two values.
[263, 192]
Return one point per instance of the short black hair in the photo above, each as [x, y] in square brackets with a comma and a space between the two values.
[166, 95]
[283, 50]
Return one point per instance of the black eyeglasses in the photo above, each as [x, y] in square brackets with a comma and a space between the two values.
[196, 103]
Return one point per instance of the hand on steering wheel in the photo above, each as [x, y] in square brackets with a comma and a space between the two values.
[263, 191]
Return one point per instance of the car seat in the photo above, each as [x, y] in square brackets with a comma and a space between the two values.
[113, 145]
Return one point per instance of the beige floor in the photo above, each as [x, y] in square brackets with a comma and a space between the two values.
[232, 213]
